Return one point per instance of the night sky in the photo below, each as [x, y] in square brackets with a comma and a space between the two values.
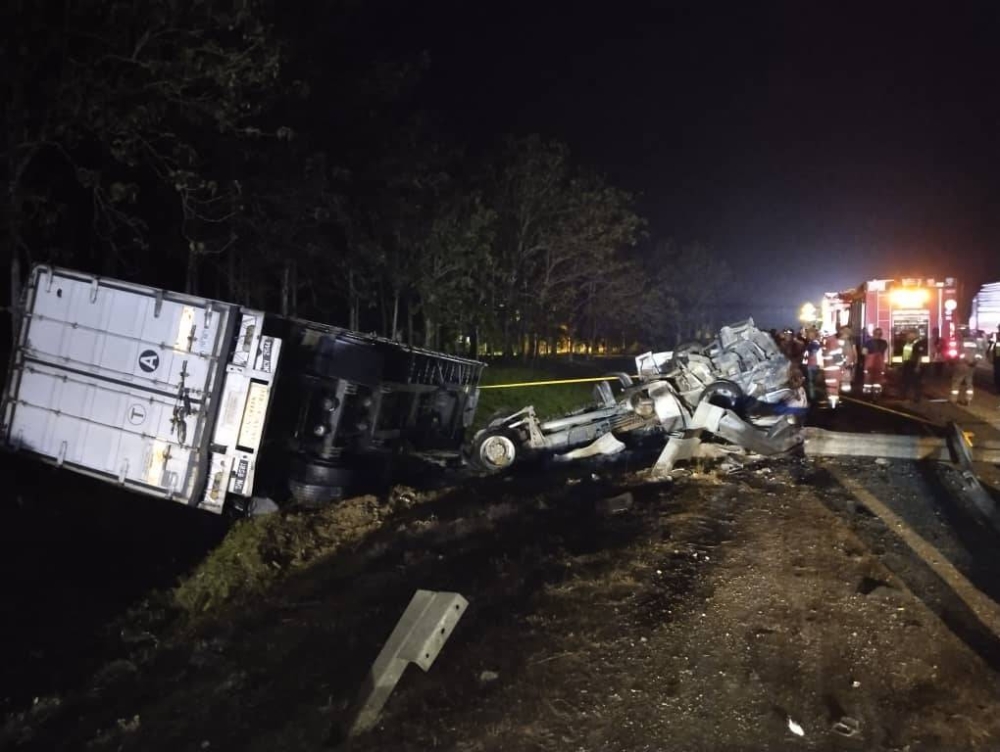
[812, 149]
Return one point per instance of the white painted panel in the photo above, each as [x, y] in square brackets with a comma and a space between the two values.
[104, 368]
[102, 425]
[119, 334]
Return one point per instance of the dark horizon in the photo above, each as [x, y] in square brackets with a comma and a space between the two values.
[816, 148]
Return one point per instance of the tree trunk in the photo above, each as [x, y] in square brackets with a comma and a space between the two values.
[286, 278]
[384, 311]
[507, 344]
[352, 299]
[430, 329]
[395, 314]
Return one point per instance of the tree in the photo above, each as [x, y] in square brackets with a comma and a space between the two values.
[687, 283]
[115, 107]
[527, 191]
[560, 239]
[453, 269]
[583, 277]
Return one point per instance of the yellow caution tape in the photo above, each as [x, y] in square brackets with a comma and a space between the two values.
[550, 383]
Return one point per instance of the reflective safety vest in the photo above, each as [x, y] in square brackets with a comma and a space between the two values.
[971, 351]
[833, 352]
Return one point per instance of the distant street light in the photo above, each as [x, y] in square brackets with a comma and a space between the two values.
[808, 313]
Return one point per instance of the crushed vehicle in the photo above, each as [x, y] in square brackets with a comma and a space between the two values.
[739, 389]
[214, 405]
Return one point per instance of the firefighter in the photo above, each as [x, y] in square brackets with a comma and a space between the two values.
[913, 354]
[964, 376]
[849, 365]
[796, 346]
[812, 356]
[937, 352]
[995, 351]
[836, 360]
[874, 357]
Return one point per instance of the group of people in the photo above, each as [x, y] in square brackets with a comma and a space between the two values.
[842, 357]
[836, 358]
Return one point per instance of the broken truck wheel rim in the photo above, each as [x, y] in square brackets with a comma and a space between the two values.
[497, 452]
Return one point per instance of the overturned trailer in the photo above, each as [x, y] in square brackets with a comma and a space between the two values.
[211, 404]
[739, 388]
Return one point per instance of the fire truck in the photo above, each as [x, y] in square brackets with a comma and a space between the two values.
[901, 306]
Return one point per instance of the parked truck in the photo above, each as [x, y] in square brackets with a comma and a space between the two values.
[926, 308]
[213, 404]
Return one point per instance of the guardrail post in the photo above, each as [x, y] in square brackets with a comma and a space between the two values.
[420, 633]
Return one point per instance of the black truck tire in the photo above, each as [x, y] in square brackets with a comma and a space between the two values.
[320, 473]
[312, 495]
[314, 482]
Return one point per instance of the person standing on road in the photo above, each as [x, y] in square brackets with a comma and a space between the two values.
[874, 359]
[964, 376]
[813, 355]
[913, 355]
[995, 351]
[937, 352]
[832, 362]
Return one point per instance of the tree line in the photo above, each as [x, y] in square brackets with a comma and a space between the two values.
[198, 144]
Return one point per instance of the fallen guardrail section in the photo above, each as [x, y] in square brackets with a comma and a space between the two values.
[419, 636]
[954, 448]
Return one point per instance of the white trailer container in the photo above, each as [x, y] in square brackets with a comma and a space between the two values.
[164, 393]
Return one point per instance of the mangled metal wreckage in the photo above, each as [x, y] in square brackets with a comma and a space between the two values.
[738, 389]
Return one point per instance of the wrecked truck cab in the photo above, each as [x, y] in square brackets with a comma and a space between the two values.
[739, 388]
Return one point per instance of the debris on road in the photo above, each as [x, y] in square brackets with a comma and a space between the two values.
[847, 726]
[795, 728]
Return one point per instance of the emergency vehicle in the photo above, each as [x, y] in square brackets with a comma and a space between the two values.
[898, 307]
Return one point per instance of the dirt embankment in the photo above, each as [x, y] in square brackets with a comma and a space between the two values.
[747, 611]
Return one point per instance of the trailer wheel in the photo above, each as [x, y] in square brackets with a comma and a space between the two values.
[320, 473]
[723, 393]
[314, 494]
[494, 451]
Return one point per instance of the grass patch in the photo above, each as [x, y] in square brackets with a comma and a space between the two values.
[549, 401]
[261, 551]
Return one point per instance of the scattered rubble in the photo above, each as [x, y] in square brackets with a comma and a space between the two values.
[795, 728]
